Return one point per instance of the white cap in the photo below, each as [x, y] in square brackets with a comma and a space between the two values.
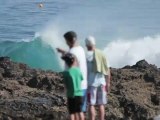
[90, 41]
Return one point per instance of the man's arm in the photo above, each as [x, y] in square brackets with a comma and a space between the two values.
[108, 80]
[61, 51]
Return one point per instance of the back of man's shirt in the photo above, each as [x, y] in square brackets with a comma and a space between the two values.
[79, 52]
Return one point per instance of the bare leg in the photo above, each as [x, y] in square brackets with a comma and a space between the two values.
[92, 112]
[81, 116]
[101, 112]
[77, 116]
[72, 117]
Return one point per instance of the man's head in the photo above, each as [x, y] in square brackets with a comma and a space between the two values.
[90, 43]
[71, 38]
[69, 59]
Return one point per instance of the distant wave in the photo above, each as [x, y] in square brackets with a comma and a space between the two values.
[36, 53]
[40, 52]
[128, 52]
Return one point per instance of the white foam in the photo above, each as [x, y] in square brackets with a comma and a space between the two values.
[52, 36]
[128, 52]
[119, 52]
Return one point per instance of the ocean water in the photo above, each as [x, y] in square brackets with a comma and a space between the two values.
[126, 30]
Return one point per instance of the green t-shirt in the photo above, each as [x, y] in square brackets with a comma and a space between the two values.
[72, 80]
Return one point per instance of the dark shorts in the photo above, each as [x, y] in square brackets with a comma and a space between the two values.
[75, 104]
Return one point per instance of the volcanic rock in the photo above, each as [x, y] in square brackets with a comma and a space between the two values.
[32, 94]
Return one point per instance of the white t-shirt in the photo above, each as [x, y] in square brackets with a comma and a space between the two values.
[94, 79]
[79, 52]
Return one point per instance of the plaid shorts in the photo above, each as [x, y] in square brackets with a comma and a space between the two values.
[97, 95]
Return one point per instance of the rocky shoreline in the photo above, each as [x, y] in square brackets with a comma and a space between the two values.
[32, 94]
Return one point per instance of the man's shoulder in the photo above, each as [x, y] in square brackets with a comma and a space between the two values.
[78, 51]
[74, 69]
[76, 48]
[98, 50]
[99, 53]
[80, 47]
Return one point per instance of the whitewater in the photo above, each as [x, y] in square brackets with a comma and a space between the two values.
[127, 31]
[41, 53]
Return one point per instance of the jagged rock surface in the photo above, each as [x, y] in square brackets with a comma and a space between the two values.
[31, 94]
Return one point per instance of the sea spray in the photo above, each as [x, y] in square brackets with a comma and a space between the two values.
[41, 53]
[128, 52]
[53, 36]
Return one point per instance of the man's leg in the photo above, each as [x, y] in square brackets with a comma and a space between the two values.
[92, 96]
[101, 112]
[77, 116]
[101, 101]
[72, 117]
[92, 112]
[81, 116]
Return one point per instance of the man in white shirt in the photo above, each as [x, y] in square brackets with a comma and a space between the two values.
[78, 51]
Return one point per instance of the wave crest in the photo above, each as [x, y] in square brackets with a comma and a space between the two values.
[128, 52]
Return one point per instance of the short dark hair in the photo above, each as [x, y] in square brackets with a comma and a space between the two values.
[70, 35]
[69, 59]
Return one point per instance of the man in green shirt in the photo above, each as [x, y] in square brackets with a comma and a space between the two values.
[72, 80]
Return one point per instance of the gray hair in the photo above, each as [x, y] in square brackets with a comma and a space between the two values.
[90, 41]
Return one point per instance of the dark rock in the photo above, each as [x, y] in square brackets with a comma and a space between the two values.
[127, 67]
[31, 94]
[142, 64]
[1, 77]
[5, 59]
[1, 70]
[33, 82]
[155, 98]
[149, 77]
[44, 82]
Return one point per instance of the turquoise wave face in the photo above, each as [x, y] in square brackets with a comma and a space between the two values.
[34, 53]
